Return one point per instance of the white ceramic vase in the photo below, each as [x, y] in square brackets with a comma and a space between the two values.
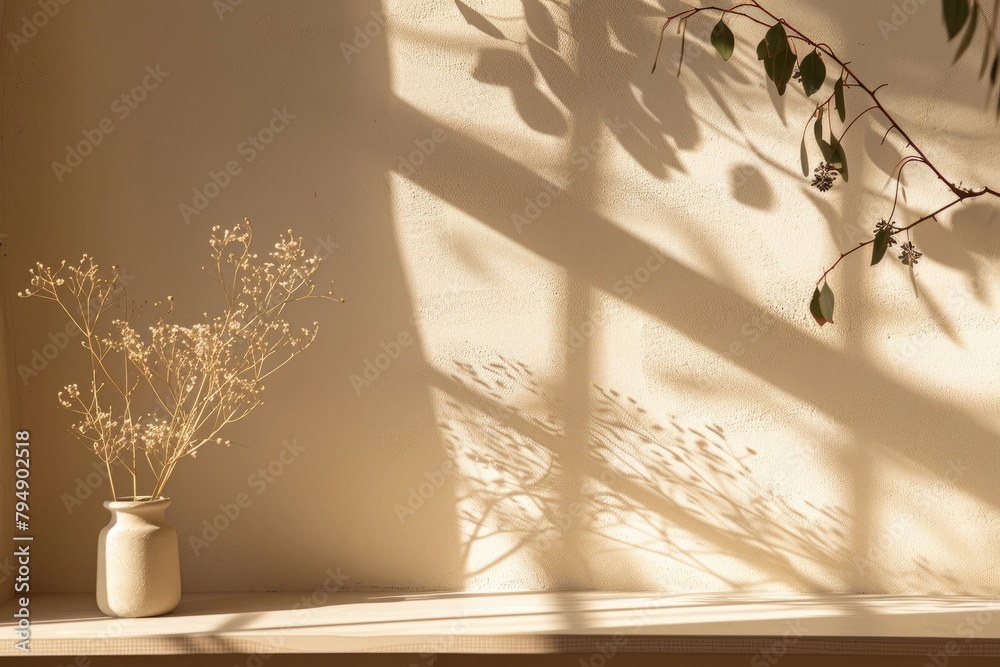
[138, 563]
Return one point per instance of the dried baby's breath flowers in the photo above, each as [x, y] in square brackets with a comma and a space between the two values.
[197, 378]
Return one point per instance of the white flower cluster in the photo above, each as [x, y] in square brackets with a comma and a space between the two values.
[173, 390]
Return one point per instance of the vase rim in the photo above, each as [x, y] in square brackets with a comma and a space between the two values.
[136, 502]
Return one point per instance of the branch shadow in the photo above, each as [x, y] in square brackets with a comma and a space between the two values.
[655, 486]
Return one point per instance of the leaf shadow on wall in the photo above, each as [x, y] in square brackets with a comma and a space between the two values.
[508, 501]
[478, 21]
[499, 67]
[971, 245]
[649, 115]
[654, 486]
[596, 250]
[748, 185]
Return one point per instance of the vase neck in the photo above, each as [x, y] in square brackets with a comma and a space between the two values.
[147, 511]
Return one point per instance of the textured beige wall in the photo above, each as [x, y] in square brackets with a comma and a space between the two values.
[692, 430]
[8, 427]
[8, 423]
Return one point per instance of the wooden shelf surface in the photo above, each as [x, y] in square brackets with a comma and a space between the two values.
[552, 622]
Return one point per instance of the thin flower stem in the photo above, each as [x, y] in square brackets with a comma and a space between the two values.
[200, 378]
[901, 229]
[899, 180]
[961, 194]
[111, 480]
[856, 118]
[688, 13]
[873, 95]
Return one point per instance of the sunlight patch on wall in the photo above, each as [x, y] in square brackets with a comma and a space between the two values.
[931, 532]
[682, 492]
[470, 69]
[499, 425]
[471, 283]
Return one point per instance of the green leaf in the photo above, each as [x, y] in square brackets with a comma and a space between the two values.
[969, 32]
[956, 13]
[775, 41]
[766, 59]
[804, 157]
[723, 40]
[813, 72]
[838, 96]
[880, 245]
[682, 30]
[769, 68]
[826, 302]
[779, 60]
[815, 309]
[784, 66]
[838, 159]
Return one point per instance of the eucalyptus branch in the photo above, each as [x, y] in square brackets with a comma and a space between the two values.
[899, 229]
[781, 62]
